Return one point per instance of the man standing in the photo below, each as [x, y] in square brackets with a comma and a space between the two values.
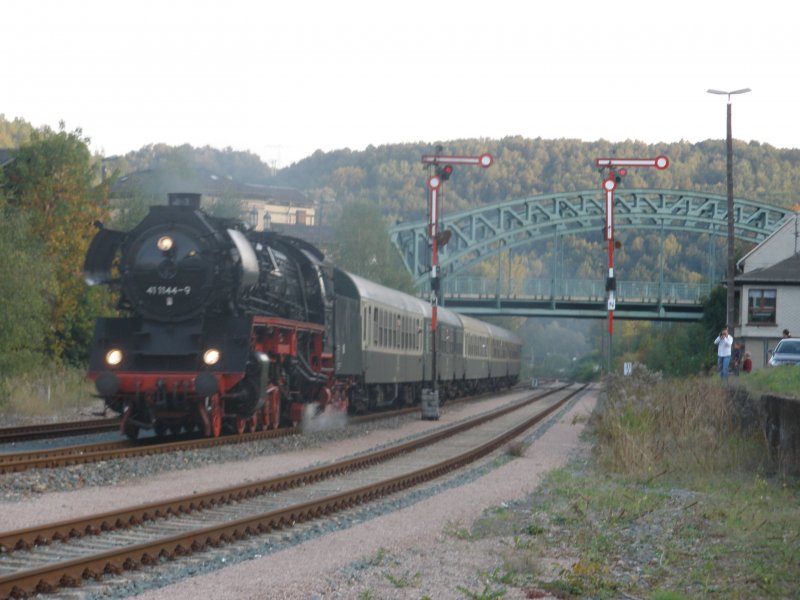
[724, 342]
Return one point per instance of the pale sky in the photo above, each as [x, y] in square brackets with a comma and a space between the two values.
[283, 79]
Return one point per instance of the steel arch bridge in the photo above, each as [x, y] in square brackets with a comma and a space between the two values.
[481, 233]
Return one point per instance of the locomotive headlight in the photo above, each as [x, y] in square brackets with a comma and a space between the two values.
[165, 243]
[113, 357]
[211, 356]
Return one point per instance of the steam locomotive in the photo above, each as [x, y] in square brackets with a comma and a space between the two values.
[230, 329]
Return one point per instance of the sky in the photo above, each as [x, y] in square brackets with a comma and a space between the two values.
[284, 79]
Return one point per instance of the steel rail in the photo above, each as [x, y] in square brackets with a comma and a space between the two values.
[52, 458]
[71, 572]
[22, 433]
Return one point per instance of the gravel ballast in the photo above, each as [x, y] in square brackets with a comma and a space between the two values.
[397, 549]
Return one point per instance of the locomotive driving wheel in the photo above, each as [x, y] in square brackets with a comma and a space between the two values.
[271, 411]
[128, 428]
[241, 424]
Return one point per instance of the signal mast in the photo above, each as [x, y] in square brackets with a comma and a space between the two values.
[615, 169]
[443, 167]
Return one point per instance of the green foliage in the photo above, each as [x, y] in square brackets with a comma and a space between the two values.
[486, 594]
[26, 284]
[362, 247]
[404, 581]
[650, 425]
[240, 165]
[14, 133]
[587, 368]
[41, 389]
[50, 181]
[783, 380]
[675, 349]
[727, 535]
[395, 178]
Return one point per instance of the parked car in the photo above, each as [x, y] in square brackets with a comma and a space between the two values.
[787, 352]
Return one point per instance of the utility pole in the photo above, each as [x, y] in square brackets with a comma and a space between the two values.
[730, 316]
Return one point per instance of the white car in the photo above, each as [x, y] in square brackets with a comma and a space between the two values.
[787, 352]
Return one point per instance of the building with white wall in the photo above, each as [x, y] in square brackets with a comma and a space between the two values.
[769, 289]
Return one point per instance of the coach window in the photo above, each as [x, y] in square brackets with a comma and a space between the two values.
[387, 332]
[365, 324]
[374, 326]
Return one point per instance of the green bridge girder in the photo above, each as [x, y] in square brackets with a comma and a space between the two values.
[481, 233]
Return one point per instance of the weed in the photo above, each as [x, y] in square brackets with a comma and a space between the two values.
[365, 595]
[457, 530]
[666, 595]
[501, 577]
[486, 594]
[534, 529]
[47, 392]
[404, 581]
[784, 381]
[379, 557]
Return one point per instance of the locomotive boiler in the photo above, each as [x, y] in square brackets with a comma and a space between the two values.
[231, 329]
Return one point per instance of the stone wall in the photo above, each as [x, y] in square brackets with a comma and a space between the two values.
[782, 430]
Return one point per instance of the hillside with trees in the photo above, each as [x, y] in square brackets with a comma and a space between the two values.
[393, 176]
[54, 190]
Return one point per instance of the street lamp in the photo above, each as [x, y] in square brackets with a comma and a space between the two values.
[729, 304]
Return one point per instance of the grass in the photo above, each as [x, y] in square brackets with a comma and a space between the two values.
[49, 392]
[672, 504]
[783, 380]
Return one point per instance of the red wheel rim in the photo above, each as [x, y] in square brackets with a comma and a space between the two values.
[216, 417]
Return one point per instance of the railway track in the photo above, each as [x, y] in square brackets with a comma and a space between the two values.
[16, 462]
[23, 433]
[146, 535]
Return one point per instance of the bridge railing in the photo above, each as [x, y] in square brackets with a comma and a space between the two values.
[571, 289]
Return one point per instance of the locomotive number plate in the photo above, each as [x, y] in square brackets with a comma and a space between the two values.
[165, 290]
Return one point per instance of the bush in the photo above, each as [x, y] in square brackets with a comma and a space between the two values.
[648, 426]
[45, 392]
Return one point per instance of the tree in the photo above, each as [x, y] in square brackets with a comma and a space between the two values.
[26, 280]
[50, 182]
[362, 247]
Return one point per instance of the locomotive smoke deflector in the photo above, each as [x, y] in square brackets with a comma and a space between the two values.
[100, 256]
[248, 262]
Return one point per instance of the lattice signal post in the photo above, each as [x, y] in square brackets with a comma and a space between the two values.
[442, 167]
[615, 169]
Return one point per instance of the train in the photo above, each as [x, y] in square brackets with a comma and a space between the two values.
[225, 329]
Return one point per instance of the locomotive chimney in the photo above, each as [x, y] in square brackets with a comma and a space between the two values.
[184, 199]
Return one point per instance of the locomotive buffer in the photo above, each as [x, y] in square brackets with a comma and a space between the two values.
[442, 169]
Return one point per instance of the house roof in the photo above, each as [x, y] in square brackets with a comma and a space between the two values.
[789, 222]
[160, 182]
[784, 272]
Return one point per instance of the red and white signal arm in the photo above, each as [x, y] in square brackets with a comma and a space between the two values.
[484, 160]
[659, 162]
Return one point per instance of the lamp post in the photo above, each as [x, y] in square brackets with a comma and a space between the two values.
[729, 303]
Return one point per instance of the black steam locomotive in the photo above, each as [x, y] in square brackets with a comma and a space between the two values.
[231, 329]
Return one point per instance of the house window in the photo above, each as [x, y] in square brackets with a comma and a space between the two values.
[300, 217]
[761, 306]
